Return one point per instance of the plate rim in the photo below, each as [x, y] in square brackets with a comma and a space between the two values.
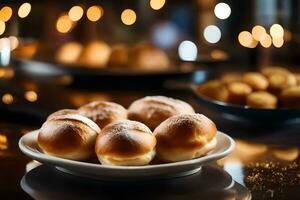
[53, 159]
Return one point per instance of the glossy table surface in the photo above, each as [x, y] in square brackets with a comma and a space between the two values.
[266, 161]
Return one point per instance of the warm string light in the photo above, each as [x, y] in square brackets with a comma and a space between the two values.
[75, 13]
[64, 24]
[24, 10]
[31, 96]
[2, 27]
[128, 17]
[157, 4]
[5, 13]
[7, 98]
[94, 13]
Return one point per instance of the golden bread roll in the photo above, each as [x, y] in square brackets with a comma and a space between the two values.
[290, 97]
[238, 92]
[119, 56]
[184, 137]
[125, 143]
[148, 57]
[95, 54]
[68, 53]
[103, 112]
[68, 136]
[267, 71]
[153, 110]
[213, 89]
[231, 77]
[279, 81]
[256, 80]
[261, 99]
[62, 112]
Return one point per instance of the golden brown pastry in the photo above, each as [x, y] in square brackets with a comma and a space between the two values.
[279, 81]
[103, 112]
[68, 53]
[184, 137]
[119, 56]
[238, 92]
[153, 110]
[290, 97]
[62, 112]
[231, 77]
[213, 89]
[125, 143]
[95, 54]
[261, 99]
[256, 80]
[68, 136]
[148, 57]
[267, 71]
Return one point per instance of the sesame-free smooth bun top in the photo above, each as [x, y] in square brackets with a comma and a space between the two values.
[103, 112]
[70, 136]
[62, 112]
[153, 110]
[187, 131]
[125, 140]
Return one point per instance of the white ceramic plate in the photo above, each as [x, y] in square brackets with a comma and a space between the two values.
[28, 145]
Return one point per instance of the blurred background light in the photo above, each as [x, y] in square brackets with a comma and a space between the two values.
[222, 10]
[276, 31]
[75, 13]
[258, 32]
[212, 34]
[128, 17]
[94, 13]
[24, 10]
[2, 27]
[7, 98]
[4, 51]
[14, 42]
[157, 4]
[165, 35]
[278, 42]
[5, 13]
[266, 41]
[187, 51]
[64, 24]
[31, 96]
[245, 39]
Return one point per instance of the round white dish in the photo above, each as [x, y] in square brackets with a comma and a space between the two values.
[28, 145]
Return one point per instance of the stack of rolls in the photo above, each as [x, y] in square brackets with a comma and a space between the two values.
[272, 87]
[158, 127]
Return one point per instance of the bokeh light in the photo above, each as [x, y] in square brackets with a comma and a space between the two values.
[24, 10]
[187, 51]
[2, 27]
[212, 34]
[246, 40]
[222, 10]
[5, 13]
[258, 32]
[276, 31]
[7, 98]
[157, 4]
[14, 42]
[94, 13]
[278, 42]
[128, 17]
[75, 13]
[64, 24]
[266, 41]
[31, 96]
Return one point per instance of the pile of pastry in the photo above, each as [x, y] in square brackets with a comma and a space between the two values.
[152, 127]
[98, 54]
[272, 87]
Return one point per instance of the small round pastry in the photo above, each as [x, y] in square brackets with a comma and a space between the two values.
[68, 53]
[279, 81]
[103, 112]
[231, 77]
[267, 71]
[153, 110]
[238, 92]
[261, 99]
[118, 56]
[68, 136]
[125, 143]
[213, 89]
[290, 97]
[95, 54]
[256, 80]
[62, 112]
[184, 137]
[148, 57]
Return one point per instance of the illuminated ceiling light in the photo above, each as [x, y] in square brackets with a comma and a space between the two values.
[2, 27]
[94, 13]
[187, 51]
[5, 13]
[24, 10]
[157, 4]
[258, 32]
[128, 17]
[266, 41]
[212, 34]
[75, 13]
[278, 42]
[7, 98]
[276, 31]
[222, 10]
[14, 42]
[246, 40]
[31, 96]
[64, 24]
